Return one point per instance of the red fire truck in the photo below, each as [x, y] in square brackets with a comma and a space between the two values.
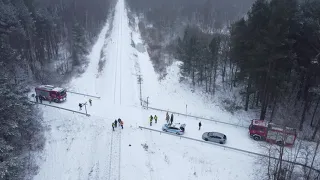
[51, 93]
[272, 133]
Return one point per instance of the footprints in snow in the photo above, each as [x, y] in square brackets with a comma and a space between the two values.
[94, 172]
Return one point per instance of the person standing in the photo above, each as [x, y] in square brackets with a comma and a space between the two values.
[37, 98]
[80, 106]
[171, 119]
[121, 123]
[40, 98]
[200, 125]
[90, 102]
[155, 119]
[151, 118]
[167, 118]
[115, 123]
[112, 126]
[119, 120]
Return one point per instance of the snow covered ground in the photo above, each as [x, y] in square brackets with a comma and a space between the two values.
[81, 147]
[172, 95]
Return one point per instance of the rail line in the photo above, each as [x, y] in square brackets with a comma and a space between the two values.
[115, 76]
[115, 154]
[120, 85]
[110, 160]
[119, 168]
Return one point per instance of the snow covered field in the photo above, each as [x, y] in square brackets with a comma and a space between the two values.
[81, 147]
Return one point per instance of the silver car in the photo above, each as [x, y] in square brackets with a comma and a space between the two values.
[174, 129]
[214, 137]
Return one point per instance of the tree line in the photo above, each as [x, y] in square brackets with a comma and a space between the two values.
[277, 51]
[272, 53]
[162, 21]
[41, 41]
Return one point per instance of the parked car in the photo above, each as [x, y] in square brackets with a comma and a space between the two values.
[174, 129]
[215, 137]
[49, 92]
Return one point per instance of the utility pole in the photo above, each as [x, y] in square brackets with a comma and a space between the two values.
[85, 107]
[140, 82]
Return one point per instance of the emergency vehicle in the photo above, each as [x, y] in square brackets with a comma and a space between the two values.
[272, 133]
[51, 93]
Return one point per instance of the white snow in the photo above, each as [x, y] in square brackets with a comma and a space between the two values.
[82, 147]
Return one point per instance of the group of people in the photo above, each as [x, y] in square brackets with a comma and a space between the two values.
[81, 104]
[39, 98]
[169, 119]
[116, 122]
[155, 118]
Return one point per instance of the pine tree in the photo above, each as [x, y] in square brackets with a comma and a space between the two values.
[214, 47]
[20, 130]
[184, 55]
[79, 44]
